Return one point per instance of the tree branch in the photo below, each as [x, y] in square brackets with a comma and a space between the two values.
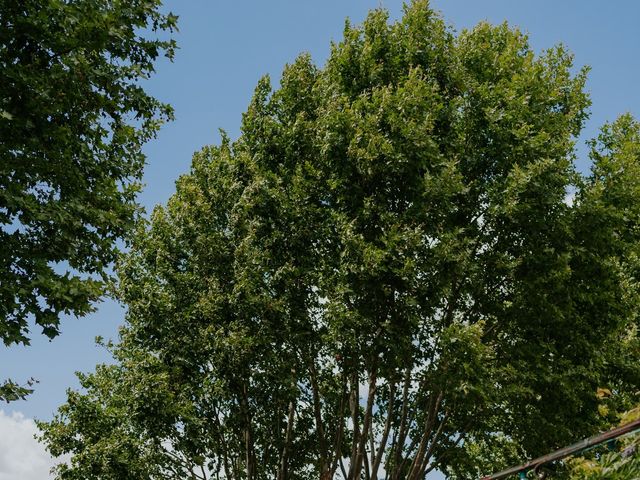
[356, 463]
[324, 464]
[398, 447]
[282, 471]
[385, 434]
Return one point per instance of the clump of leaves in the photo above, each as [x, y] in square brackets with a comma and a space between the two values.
[621, 464]
[73, 119]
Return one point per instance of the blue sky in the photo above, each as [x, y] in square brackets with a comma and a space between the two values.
[226, 46]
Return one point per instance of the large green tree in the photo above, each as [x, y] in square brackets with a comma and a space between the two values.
[73, 119]
[380, 277]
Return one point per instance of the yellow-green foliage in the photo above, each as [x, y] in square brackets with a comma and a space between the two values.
[622, 464]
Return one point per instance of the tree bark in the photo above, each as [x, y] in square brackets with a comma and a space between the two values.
[356, 463]
[398, 445]
[250, 465]
[325, 466]
[385, 434]
[284, 457]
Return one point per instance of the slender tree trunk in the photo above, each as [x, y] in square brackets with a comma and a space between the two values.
[325, 466]
[357, 460]
[337, 446]
[422, 453]
[250, 466]
[284, 457]
[223, 444]
[401, 437]
[354, 404]
[385, 434]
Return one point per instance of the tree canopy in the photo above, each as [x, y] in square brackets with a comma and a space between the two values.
[383, 275]
[73, 119]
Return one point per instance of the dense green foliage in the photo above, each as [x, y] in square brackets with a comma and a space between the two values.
[380, 277]
[611, 466]
[73, 119]
[621, 464]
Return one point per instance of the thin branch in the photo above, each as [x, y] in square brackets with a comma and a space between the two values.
[369, 456]
[342, 469]
[248, 435]
[433, 443]
[223, 443]
[402, 434]
[338, 440]
[461, 437]
[430, 421]
[354, 404]
[184, 464]
[318, 414]
[285, 449]
[385, 434]
[356, 463]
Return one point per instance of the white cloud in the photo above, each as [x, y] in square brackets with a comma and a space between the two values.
[22, 457]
